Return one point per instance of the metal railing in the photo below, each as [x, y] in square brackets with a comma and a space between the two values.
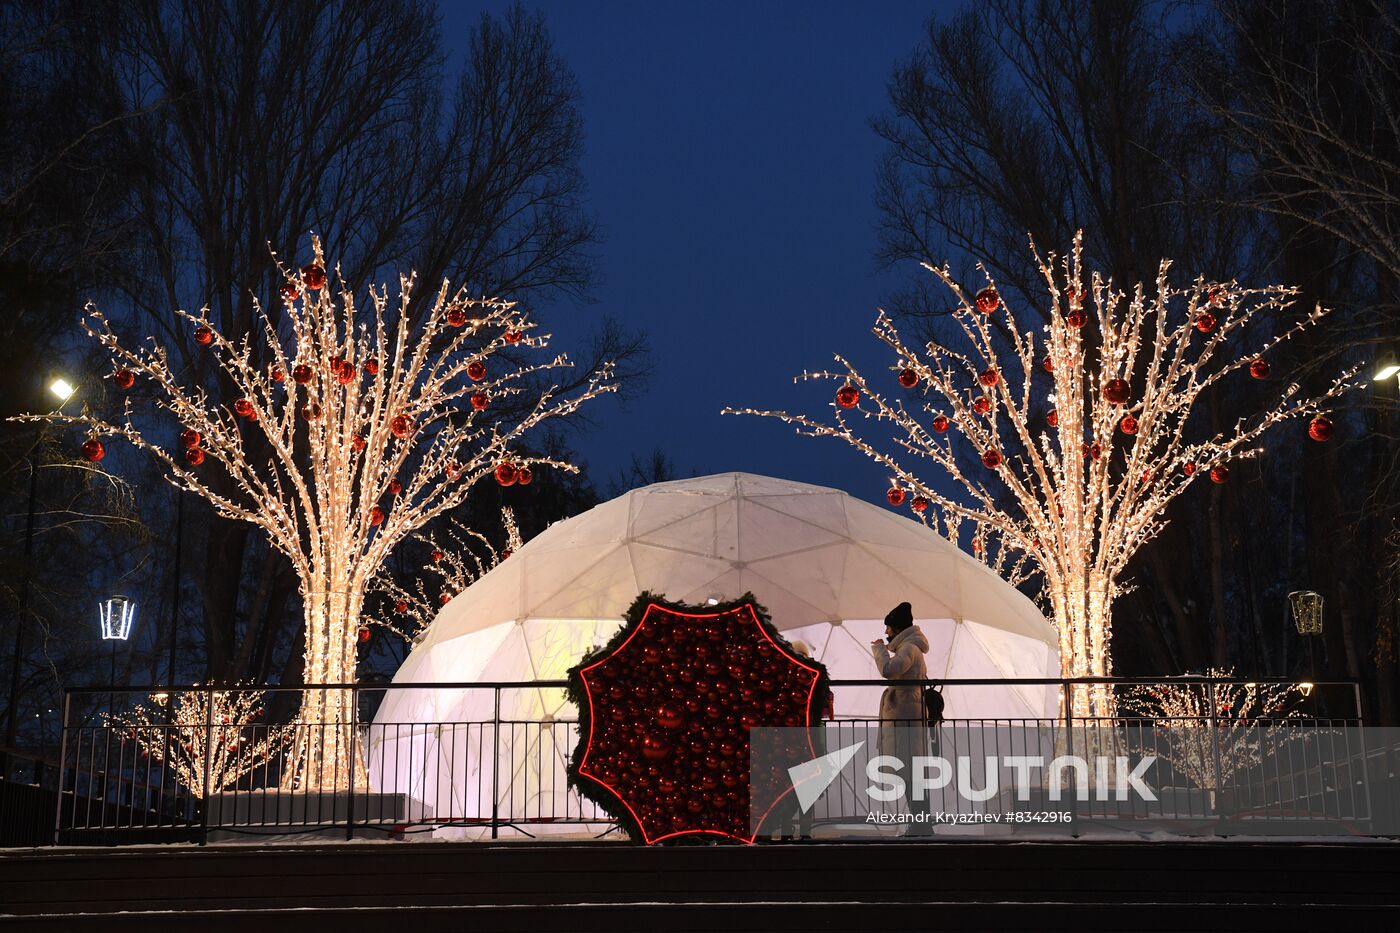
[496, 763]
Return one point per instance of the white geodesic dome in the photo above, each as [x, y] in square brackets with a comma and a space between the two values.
[827, 567]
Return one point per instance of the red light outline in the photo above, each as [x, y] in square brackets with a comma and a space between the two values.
[592, 719]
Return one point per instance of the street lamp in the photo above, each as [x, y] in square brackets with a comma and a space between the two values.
[1388, 366]
[63, 390]
[116, 614]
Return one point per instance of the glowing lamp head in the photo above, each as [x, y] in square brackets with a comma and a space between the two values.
[116, 616]
[61, 389]
[1387, 367]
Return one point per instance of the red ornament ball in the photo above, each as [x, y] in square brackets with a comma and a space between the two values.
[1205, 322]
[289, 292]
[480, 400]
[908, 378]
[395, 487]
[454, 470]
[372, 366]
[401, 426]
[1259, 368]
[524, 476]
[376, 516]
[506, 474]
[301, 374]
[512, 336]
[93, 450]
[123, 379]
[991, 459]
[988, 300]
[940, 423]
[363, 634]
[1188, 468]
[243, 408]
[358, 442]
[203, 335]
[895, 496]
[1076, 319]
[920, 504]
[1219, 475]
[1052, 418]
[190, 438]
[1320, 428]
[982, 405]
[437, 557]
[311, 411]
[1116, 391]
[1128, 425]
[194, 456]
[847, 396]
[445, 598]
[401, 606]
[456, 317]
[988, 377]
[314, 276]
[1074, 297]
[1216, 297]
[1047, 364]
[346, 372]
[277, 373]
[1095, 451]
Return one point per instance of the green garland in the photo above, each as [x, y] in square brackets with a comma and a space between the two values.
[587, 787]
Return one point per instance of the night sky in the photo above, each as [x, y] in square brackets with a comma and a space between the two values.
[731, 166]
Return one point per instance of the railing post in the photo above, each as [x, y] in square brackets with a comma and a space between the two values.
[62, 766]
[1213, 725]
[496, 767]
[208, 762]
[353, 740]
[1067, 693]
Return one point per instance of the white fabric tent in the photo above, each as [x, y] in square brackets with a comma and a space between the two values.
[825, 565]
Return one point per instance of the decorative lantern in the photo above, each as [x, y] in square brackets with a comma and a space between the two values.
[116, 614]
[1307, 611]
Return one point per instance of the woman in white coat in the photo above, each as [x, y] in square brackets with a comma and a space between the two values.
[902, 717]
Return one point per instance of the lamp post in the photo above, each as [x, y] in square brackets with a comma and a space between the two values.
[62, 390]
[1307, 618]
[116, 614]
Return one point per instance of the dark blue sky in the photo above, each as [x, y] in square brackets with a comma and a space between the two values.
[731, 166]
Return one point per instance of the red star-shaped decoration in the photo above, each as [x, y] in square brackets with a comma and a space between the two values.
[669, 713]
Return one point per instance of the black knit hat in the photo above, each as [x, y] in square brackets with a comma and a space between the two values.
[900, 617]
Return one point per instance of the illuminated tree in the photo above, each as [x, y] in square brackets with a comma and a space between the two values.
[344, 432]
[1078, 445]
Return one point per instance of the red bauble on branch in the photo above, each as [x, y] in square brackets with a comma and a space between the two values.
[506, 474]
[981, 404]
[991, 459]
[194, 456]
[123, 379]
[363, 634]
[1205, 322]
[920, 504]
[1320, 428]
[512, 336]
[1128, 424]
[92, 450]
[301, 374]
[395, 487]
[358, 442]
[1259, 368]
[524, 476]
[476, 370]
[314, 276]
[480, 400]
[372, 366]
[376, 516]
[1219, 474]
[345, 372]
[895, 496]
[456, 317]
[847, 396]
[1052, 418]
[988, 300]
[1076, 319]
[1116, 391]
[401, 427]
[940, 423]
[190, 438]
[401, 606]
[289, 292]
[277, 373]
[908, 378]
[437, 557]
[203, 335]
[1188, 468]
[243, 408]
[988, 377]
[1047, 364]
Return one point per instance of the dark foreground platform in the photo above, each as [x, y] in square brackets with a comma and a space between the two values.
[432, 886]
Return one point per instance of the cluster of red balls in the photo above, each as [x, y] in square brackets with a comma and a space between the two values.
[671, 710]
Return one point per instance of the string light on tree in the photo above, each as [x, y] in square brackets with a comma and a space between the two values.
[1040, 500]
[311, 461]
